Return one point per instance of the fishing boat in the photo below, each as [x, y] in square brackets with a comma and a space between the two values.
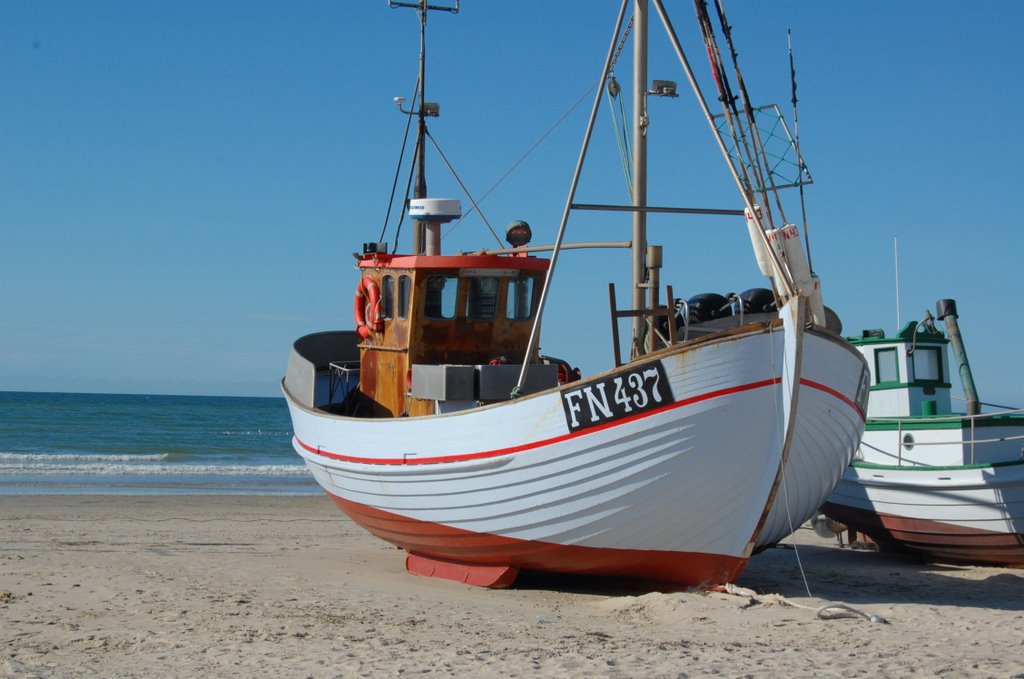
[949, 486]
[438, 426]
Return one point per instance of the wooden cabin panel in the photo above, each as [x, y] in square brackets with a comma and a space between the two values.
[419, 407]
[464, 342]
[383, 380]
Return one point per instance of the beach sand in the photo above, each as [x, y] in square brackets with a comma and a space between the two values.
[288, 587]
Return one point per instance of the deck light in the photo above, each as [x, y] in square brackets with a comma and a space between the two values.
[663, 88]
[518, 233]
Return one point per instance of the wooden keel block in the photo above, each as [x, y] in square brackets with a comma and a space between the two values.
[493, 577]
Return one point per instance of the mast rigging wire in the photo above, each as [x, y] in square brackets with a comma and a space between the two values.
[731, 113]
[464, 189]
[584, 146]
[621, 129]
[398, 171]
[523, 157]
[758, 159]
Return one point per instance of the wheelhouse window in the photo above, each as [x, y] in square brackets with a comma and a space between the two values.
[404, 285]
[441, 293]
[887, 369]
[482, 300]
[519, 304]
[927, 366]
[387, 296]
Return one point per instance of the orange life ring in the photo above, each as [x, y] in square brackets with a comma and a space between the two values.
[366, 308]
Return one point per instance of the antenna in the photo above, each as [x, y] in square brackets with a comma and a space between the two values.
[896, 256]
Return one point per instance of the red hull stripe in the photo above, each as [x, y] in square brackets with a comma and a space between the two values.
[537, 444]
[941, 541]
[565, 437]
[680, 569]
[832, 392]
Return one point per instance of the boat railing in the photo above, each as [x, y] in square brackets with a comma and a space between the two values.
[685, 310]
[343, 375]
[972, 421]
[650, 317]
[737, 305]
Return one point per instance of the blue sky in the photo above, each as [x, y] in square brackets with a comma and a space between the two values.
[182, 183]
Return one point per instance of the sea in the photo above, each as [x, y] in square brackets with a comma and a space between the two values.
[126, 444]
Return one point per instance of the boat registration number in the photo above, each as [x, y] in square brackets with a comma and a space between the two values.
[617, 397]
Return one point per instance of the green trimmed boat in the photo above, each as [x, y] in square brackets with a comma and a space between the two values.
[947, 485]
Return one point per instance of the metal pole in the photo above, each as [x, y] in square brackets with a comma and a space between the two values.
[421, 157]
[945, 309]
[896, 260]
[639, 300]
[534, 331]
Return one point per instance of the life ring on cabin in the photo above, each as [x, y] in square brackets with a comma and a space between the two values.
[366, 308]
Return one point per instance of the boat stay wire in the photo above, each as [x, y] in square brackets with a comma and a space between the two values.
[621, 128]
[398, 172]
[523, 157]
[408, 187]
[756, 156]
[619, 120]
[725, 94]
[786, 283]
[584, 146]
[753, 145]
[455, 174]
[763, 167]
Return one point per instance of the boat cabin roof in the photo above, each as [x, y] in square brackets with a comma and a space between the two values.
[906, 334]
[495, 264]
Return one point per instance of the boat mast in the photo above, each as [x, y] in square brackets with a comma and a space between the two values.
[639, 172]
[420, 189]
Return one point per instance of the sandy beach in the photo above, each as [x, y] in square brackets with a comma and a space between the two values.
[246, 586]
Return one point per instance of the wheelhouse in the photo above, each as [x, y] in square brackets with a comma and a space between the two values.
[461, 310]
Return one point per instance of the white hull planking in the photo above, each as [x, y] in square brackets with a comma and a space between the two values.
[694, 477]
[828, 435]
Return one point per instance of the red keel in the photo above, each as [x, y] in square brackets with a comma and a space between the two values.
[494, 577]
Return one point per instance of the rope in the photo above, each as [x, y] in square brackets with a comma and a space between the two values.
[621, 131]
[829, 611]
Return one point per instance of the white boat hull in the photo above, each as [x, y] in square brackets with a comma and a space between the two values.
[965, 514]
[678, 493]
[831, 426]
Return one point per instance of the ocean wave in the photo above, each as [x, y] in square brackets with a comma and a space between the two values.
[109, 469]
[257, 432]
[87, 457]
